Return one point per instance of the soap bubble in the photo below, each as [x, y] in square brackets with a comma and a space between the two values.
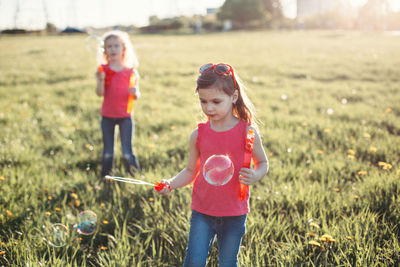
[94, 44]
[87, 222]
[218, 170]
[56, 235]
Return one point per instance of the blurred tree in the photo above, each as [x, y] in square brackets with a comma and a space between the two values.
[242, 12]
[393, 21]
[274, 8]
[372, 15]
[251, 12]
[153, 20]
[50, 28]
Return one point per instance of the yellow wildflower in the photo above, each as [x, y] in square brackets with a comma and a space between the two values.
[89, 146]
[356, 197]
[48, 213]
[8, 213]
[310, 234]
[2, 178]
[74, 196]
[372, 149]
[49, 197]
[351, 152]
[327, 238]
[151, 199]
[2, 253]
[384, 165]
[77, 203]
[349, 237]
[57, 209]
[16, 242]
[314, 225]
[314, 243]
[362, 172]
[105, 222]
[103, 248]
[102, 205]
[337, 189]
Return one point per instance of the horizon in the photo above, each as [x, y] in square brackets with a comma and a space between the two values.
[34, 14]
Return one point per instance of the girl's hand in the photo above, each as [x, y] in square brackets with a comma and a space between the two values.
[247, 176]
[135, 92]
[167, 188]
[100, 76]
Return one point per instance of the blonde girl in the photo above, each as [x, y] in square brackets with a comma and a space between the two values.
[117, 82]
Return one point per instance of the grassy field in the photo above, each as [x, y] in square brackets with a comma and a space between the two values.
[329, 107]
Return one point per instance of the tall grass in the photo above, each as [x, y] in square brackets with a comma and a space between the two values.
[329, 103]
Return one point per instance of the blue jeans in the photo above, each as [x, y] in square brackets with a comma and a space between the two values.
[126, 130]
[229, 231]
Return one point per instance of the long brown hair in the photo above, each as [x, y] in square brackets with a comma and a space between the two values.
[243, 108]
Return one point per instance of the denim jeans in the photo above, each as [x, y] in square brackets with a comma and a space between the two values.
[229, 231]
[126, 130]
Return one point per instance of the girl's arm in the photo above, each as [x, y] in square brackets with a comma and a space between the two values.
[188, 174]
[250, 176]
[100, 76]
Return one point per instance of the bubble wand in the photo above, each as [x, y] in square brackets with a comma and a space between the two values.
[157, 186]
[248, 151]
[132, 83]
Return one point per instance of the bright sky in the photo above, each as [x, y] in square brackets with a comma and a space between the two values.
[97, 13]
[81, 13]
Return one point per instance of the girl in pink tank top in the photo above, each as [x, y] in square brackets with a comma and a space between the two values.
[117, 83]
[216, 208]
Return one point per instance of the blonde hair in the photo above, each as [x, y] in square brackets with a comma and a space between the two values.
[130, 59]
[243, 108]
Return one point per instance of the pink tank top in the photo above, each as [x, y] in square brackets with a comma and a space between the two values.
[220, 200]
[116, 92]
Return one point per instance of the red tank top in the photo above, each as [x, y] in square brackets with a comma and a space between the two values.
[220, 200]
[116, 93]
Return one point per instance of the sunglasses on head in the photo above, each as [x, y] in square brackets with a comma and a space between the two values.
[219, 69]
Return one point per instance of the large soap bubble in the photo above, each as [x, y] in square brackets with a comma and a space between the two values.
[87, 223]
[218, 170]
[94, 44]
[56, 235]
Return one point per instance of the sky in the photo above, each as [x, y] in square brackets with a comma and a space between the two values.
[31, 14]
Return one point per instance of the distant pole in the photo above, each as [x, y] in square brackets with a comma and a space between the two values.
[45, 11]
[72, 20]
[17, 9]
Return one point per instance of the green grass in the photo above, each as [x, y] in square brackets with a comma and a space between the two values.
[324, 167]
